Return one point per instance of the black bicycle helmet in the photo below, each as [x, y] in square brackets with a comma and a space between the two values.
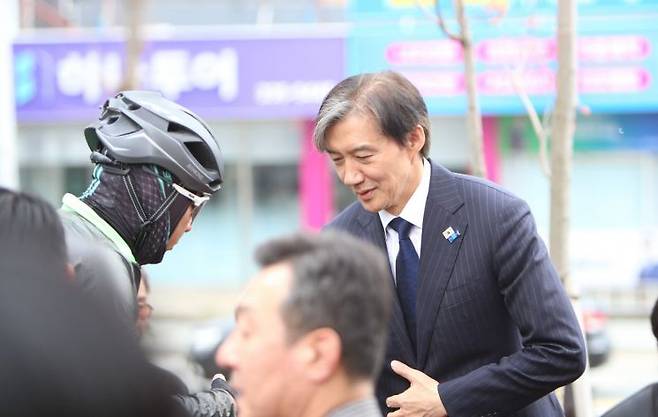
[143, 127]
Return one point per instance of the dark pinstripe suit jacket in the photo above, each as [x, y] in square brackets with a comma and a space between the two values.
[495, 326]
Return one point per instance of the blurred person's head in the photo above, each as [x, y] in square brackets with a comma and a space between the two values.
[157, 163]
[376, 130]
[61, 355]
[311, 326]
[144, 308]
[31, 234]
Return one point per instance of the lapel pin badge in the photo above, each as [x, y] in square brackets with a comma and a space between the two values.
[451, 234]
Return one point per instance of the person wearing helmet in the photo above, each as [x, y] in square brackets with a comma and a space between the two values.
[156, 165]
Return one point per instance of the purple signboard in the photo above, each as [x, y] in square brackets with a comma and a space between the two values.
[219, 79]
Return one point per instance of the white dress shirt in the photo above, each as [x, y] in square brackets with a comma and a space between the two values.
[412, 212]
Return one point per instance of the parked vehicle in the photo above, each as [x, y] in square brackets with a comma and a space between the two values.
[597, 338]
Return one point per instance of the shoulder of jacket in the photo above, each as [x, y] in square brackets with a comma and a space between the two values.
[470, 183]
[345, 218]
[87, 244]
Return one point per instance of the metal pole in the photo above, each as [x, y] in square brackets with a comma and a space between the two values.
[8, 147]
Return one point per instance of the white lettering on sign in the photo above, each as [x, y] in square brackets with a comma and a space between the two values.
[271, 93]
[532, 81]
[167, 72]
[176, 71]
[440, 52]
[437, 83]
[517, 50]
[613, 80]
[620, 48]
[93, 74]
[89, 74]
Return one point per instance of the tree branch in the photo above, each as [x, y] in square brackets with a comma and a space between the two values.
[537, 125]
[438, 19]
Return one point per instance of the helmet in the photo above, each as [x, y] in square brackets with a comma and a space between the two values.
[143, 127]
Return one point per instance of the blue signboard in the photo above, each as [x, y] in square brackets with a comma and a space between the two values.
[361, 10]
[617, 72]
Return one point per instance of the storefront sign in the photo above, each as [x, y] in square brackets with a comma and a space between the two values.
[243, 78]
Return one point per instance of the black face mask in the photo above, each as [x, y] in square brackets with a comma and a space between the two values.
[140, 204]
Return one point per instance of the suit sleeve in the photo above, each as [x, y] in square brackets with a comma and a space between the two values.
[553, 352]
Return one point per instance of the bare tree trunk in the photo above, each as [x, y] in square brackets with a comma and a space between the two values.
[562, 138]
[134, 44]
[473, 116]
[561, 157]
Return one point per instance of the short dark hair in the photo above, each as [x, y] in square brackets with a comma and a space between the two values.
[393, 102]
[31, 231]
[341, 283]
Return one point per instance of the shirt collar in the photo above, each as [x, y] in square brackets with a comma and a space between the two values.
[414, 210]
[73, 204]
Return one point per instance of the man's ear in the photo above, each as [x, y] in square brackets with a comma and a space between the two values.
[319, 354]
[416, 139]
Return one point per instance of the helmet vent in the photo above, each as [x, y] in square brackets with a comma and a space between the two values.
[131, 105]
[112, 119]
[174, 127]
[201, 152]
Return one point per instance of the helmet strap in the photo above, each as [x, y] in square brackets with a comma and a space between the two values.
[109, 164]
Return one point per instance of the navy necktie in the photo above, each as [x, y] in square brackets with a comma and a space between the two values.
[406, 274]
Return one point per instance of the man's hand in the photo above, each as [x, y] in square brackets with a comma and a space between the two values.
[421, 399]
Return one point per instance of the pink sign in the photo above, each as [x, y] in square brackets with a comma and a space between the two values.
[516, 50]
[437, 83]
[613, 48]
[613, 80]
[536, 81]
[439, 52]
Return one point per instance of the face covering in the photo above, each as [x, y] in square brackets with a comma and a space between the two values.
[139, 202]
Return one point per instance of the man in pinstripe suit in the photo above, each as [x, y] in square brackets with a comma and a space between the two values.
[481, 325]
[311, 329]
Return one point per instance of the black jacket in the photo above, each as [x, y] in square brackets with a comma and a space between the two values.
[111, 280]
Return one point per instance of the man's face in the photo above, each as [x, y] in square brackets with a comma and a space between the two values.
[257, 351]
[144, 309]
[382, 174]
[184, 225]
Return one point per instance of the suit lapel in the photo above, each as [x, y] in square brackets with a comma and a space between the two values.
[399, 340]
[438, 255]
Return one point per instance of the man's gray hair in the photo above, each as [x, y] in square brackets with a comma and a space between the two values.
[393, 102]
[341, 283]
